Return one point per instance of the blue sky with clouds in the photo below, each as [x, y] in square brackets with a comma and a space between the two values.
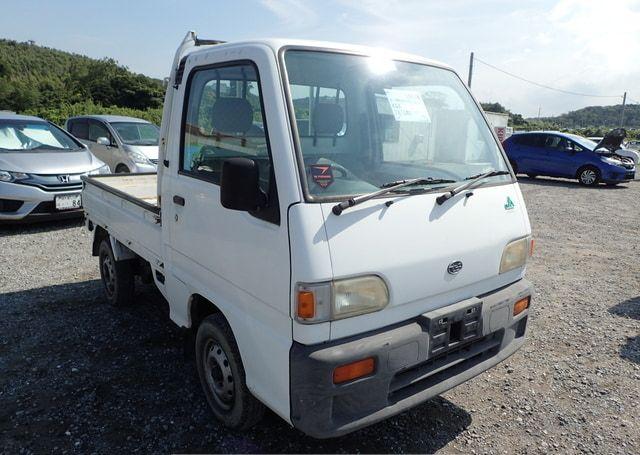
[587, 46]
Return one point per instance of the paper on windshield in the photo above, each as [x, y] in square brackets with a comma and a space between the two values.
[407, 106]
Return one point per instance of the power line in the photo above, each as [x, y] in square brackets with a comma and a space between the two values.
[568, 92]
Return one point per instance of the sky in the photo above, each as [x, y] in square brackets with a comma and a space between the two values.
[584, 46]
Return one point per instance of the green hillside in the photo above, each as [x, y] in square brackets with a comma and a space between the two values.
[54, 84]
[598, 116]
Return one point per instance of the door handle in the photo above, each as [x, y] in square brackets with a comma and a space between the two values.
[179, 200]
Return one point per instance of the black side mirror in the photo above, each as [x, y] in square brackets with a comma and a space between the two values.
[240, 185]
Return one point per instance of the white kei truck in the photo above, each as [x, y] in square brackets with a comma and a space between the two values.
[338, 225]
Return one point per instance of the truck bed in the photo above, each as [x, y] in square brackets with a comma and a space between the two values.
[126, 206]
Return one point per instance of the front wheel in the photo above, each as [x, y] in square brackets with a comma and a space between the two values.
[222, 375]
[589, 176]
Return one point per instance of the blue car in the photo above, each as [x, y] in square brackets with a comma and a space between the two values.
[556, 154]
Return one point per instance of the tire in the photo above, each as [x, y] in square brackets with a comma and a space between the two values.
[122, 169]
[222, 375]
[532, 176]
[588, 176]
[118, 279]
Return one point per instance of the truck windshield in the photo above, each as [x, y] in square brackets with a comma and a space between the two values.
[365, 121]
[33, 136]
[137, 133]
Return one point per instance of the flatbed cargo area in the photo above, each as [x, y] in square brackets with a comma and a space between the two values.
[140, 189]
[126, 206]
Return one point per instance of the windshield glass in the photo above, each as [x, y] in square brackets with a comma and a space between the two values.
[33, 135]
[583, 141]
[363, 122]
[137, 133]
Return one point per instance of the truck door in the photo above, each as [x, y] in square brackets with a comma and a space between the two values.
[237, 260]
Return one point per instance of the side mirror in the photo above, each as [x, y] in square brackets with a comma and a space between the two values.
[240, 185]
[103, 141]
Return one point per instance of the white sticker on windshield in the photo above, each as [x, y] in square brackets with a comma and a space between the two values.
[407, 106]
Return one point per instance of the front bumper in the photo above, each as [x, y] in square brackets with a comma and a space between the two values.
[28, 202]
[618, 176]
[410, 366]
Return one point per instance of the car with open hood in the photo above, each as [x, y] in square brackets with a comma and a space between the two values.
[557, 154]
[614, 142]
[41, 167]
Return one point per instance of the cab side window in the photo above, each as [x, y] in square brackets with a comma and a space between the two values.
[224, 120]
[556, 142]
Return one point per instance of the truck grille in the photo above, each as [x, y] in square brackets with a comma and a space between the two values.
[435, 370]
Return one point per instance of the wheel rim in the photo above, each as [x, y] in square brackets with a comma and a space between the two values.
[108, 275]
[588, 176]
[219, 375]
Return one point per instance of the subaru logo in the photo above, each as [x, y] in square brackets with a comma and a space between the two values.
[454, 267]
[63, 178]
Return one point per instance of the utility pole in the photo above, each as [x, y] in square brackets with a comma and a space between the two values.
[624, 102]
[539, 107]
[470, 70]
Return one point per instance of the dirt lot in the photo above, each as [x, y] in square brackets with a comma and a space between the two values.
[78, 376]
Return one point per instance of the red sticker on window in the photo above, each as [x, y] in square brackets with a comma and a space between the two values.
[322, 174]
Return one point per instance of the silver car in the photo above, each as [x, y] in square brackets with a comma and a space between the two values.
[126, 144]
[41, 167]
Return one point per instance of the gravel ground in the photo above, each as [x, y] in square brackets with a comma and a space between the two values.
[79, 376]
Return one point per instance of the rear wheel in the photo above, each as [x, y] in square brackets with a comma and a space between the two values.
[222, 375]
[589, 176]
[122, 169]
[117, 276]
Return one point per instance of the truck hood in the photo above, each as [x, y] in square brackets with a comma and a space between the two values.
[411, 243]
[150, 151]
[75, 162]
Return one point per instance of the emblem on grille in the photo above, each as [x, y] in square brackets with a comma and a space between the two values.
[63, 178]
[454, 267]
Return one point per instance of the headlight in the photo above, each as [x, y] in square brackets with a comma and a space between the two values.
[340, 299]
[101, 170]
[7, 176]
[139, 158]
[515, 254]
[613, 161]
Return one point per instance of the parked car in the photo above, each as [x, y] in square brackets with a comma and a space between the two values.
[556, 154]
[40, 169]
[331, 266]
[126, 144]
[633, 145]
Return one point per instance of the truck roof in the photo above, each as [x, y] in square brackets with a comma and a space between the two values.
[278, 43]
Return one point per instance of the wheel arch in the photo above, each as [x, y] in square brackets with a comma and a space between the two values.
[586, 166]
[199, 308]
[99, 235]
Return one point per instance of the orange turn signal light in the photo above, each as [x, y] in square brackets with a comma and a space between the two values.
[521, 305]
[354, 370]
[306, 305]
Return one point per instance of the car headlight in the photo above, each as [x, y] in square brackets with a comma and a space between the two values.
[613, 161]
[8, 176]
[339, 299]
[515, 254]
[104, 169]
[139, 158]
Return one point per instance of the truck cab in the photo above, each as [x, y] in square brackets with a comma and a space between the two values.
[338, 225]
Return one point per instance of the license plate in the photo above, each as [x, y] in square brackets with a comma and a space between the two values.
[68, 201]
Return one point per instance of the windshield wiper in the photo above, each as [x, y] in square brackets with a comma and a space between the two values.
[386, 188]
[473, 180]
